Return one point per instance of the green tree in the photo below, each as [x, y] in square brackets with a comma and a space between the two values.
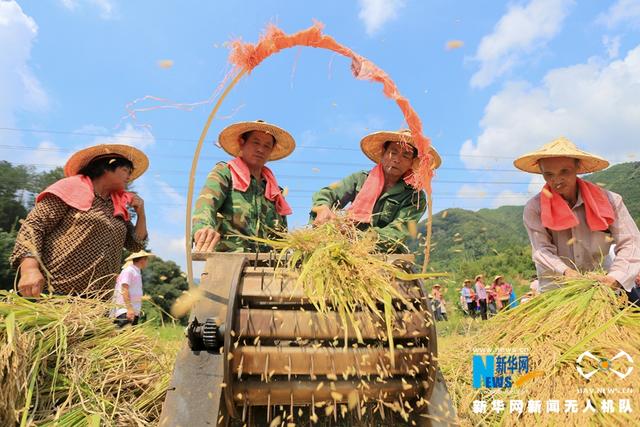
[164, 282]
[18, 187]
[7, 274]
[15, 181]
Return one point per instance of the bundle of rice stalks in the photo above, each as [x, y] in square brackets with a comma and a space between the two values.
[340, 269]
[63, 362]
[573, 337]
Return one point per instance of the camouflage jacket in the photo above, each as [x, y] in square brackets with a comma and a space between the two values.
[395, 213]
[233, 212]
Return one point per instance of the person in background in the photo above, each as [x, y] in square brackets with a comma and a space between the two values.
[437, 301]
[503, 290]
[493, 303]
[469, 298]
[80, 224]
[474, 298]
[443, 310]
[443, 306]
[127, 296]
[481, 295]
[463, 301]
[435, 308]
[513, 299]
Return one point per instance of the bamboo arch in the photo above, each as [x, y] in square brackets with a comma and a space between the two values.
[246, 56]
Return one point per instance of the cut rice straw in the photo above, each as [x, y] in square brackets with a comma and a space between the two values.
[339, 269]
[63, 362]
[556, 327]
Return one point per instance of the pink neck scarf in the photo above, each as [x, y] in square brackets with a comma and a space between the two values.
[241, 178]
[556, 214]
[361, 209]
[77, 192]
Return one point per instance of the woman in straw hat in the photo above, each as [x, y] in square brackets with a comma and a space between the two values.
[381, 198]
[127, 296]
[503, 292]
[572, 223]
[79, 225]
[242, 197]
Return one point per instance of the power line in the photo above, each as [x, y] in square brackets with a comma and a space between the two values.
[174, 139]
[302, 162]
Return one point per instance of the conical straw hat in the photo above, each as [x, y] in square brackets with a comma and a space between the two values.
[372, 145]
[229, 138]
[82, 158]
[561, 147]
[140, 254]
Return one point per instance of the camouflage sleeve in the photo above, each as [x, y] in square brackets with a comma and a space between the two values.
[338, 194]
[396, 235]
[213, 194]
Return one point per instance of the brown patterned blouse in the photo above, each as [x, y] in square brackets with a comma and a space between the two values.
[82, 251]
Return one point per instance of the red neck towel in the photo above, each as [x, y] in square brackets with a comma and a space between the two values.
[241, 178]
[556, 214]
[77, 192]
[362, 207]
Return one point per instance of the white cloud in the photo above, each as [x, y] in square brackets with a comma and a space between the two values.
[612, 44]
[376, 13]
[49, 155]
[106, 7]
[168, 247]
[510, 198]
[594, 104]
[514, 198]
[19, 87]
[138, 137]
[622, 12]
[522, 30]
[472, 191]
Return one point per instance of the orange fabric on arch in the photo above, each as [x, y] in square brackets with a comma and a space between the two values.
[247, 56]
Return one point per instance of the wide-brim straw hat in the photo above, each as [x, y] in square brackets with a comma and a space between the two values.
[495, 279]
[467, 280]
[229, 138]
[561, 147]
[437, 286]
[82, 158]
[479, 276]
[372, 145]
[140, 254]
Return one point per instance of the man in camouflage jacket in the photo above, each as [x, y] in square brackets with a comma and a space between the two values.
[393, 208]
[241, 199]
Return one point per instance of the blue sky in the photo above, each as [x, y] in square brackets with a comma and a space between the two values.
[528, 71]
